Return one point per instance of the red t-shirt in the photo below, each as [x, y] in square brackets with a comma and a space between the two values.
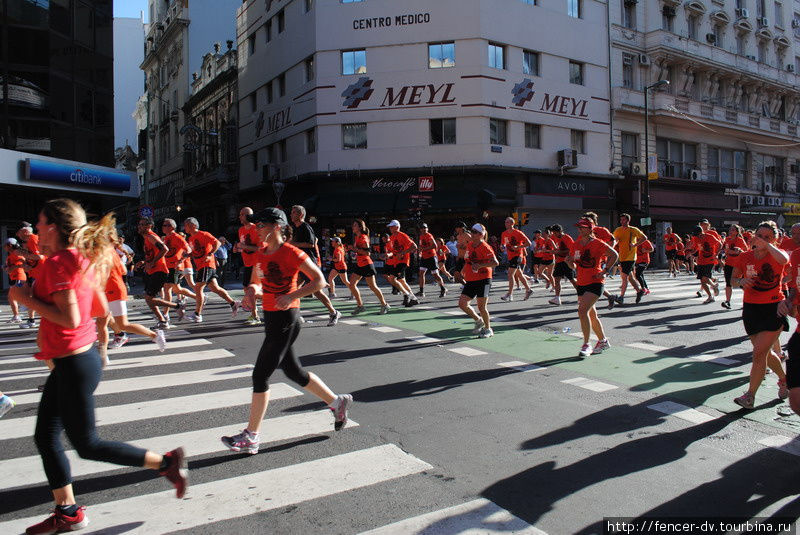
[794, 276]
[680, 248]
[248, 235]
[671, 241]
[588, 260]
[788, 244]
[32, 244]
[177, 247]
[549, 245]
[564, 242]
[338, 259]
[279, 273]
[115, 285]
[442, 252]
[151, 251]
[399, 242]
[203, 245]
[767, 274]
[65, 270]
[477, 254]
[426, 239]
[513, 238]
[35, 265]
[362, 258]
[15, 264]
[707, 248]
[602, 233]
[643, 257]
[731, 258]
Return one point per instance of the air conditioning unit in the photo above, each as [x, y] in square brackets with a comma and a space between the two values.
[638, 169]
[762, 21]
[760, 201]
[767, 188]
[711, 38]
[795, 23]
[790, 67]
[567, 158]
[742, 12]
[668, 11]
[694, 174]
[771, 201]
[644, 59]
[748, 199]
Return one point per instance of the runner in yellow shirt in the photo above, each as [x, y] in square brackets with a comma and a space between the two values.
[628, 238]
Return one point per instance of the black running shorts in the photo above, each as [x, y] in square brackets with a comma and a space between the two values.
[758, 317]
[477, 288]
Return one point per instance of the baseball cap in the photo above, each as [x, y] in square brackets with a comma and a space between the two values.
[477, 227]
[556, 228]
[12, 241]
[336, 239]
[269, 215]
[585, 222]
[394, 223]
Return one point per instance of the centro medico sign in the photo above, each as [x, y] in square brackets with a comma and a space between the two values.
[60, 173]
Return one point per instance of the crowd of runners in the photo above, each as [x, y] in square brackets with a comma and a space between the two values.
[72, 275]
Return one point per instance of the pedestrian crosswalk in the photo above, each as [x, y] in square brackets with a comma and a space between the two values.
[143, 400]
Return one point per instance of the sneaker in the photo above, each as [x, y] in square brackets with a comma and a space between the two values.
[639, 296]
[746, 400]
[27, 324]
[244, 441]
[647, 291]
[384, 309]
[709, 300]
[528, 294]
[726, 304]
[6, 404]
[507, 297]
[486, 333]
[359, 310]
[161, 341]
[612, 300]
[235, 308]
[333, 319]
[478, 327]
[716, 289]
[176, 471]
[420, 293]
[15, 319]
[555, 301]
[620, 300]
[340, 406]
[698, 294]
[197, 318]
[442, 292]
[585, 351]
[118, 341]
[412, 302]
[58, 522]
[253, 321]
[601, 346]
[405, 299]
[783, 390]
[181, 310]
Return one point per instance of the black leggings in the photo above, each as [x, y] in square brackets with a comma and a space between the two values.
[640, 275]
[282, 328]
[67, 404]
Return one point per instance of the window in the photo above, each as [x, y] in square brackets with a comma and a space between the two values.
[309, 68]
[269, 92]
[354, 62]
[497, 56]
[311, 141]
[727, 166]
[530, 62]
[529, 2]
[778, 14]
[797, 64]
[533, 136]
[443, 131]
[251, 44]
[675, 158]
[253, 101]
[354, 136]
[268, 28]
[741, 4]
[629, 14]
[796, 24]
[578, 141]
[762, 52]
[575, 73]
[741, 44]
[574, 8]
[281, 84]
[627, 70]
[668, 18]
[281, 17]
[719, 34]
[630, 149]
[309, 4]
[498, 130]
[441, 55]
[691, 26]
[761, 8]
[769, 170]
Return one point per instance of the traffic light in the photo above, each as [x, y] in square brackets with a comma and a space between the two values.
[524, 220]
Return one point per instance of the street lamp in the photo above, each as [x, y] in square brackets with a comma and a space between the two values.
[660, 83]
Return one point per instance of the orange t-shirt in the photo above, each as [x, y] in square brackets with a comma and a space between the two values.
[15, 264]
[732, 259]
[788, 244]
[400, 242]
[442, 252]
[177, 247]
[767, 273]
[362, 258]
[115, 285]
[549, 245]
[35, 266]
[641, 256]
[203, 245]
[680, 248]
[279, 273]
[426, 239]
[707, 248]
[794, 275]
[602, 233]
[338, 259]
[32, 244]
[477, 254]
[564, 242]
[248, 235]
[150, 252]
[588, 260]
[513, 238]
[671, 241]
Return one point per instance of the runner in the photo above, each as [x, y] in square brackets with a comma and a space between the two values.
[479, 262]
[516, 243]
[16, 276]
[547, 250]
[603, 234]
[441, 252]
[6, 404]
[63, 296]
[563, 243]
[671, 241]
[303, 238]
[177, 250]
[203, 246]
[400, 247]
[248, 246]
[536, 256]
[428, 261]
[759, 272]
[705, 246]
[691, 257]
[339, 266]
[643, 251]
[587, 254]
[155, 268]
[706, 226]
[278, 265]
[364, 268]
[628, 239]
[733, 247]
[680, 257]
[462, 239]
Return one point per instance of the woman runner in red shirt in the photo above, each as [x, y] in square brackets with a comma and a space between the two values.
[364, 268]
[63, 296]
[14, 267]
[339, 268]
[275, 279]
[734, 245]
[760, 272]
[479, 261]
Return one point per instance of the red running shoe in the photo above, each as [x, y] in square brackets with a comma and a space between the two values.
[58, 522]
[176, 471]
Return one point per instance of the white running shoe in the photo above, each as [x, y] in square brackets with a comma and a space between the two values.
[709, 300]
[118, 341]
[507, 297]
[198, 318]
[555, 300]
[161, 341]
[601, 346]
[244, 441]
[333, 319]
[585, 351]
[486, 333]
[340, 408]
[6, 404]
[15, 319]
[478, 327]
[235, 308]
[385, 309]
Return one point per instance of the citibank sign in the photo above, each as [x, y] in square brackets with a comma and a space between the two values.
[46, 171]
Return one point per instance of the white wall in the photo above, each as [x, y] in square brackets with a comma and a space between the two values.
[128, 79]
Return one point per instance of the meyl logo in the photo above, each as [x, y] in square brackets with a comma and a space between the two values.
[358, 92]
[523, 92]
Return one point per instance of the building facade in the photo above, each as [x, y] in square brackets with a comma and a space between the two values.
[442, 110]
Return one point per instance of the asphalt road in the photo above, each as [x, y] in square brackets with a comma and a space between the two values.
[514, 423]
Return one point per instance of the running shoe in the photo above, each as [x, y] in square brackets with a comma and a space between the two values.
[478, 327]
[612, 300]
[528, 294]
[118, 341]
[15, 319]
[176, 472]
[555, 300]
[384, 309]
[709, 300]
[58, 522]
[783, 390]
[601, 346]
[421, 293]
[340, 407]
[161, 326]
[6, 404]
[412, 302]
[620, 300]
[726, 304]
[161, 341]
[235, 308]
[716, 289]
[442, 292]
[405, 299]
[486, 333]
[245, 441]
[181, 310]
[27, 324]
[507, 297]
[746, 400]
[333, 319]
[197, 318]
[585, 351]
[252, 320]
[647, 291]
[359, 310]
[639, 296]
[698, 294]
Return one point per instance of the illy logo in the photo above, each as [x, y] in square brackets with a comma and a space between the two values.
[425, 183]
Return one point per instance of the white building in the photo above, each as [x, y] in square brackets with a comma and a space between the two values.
[351, 107]
[128, 78]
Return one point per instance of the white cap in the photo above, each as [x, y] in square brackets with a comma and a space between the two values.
[477, 227]
[394, 223]
[11, 241]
